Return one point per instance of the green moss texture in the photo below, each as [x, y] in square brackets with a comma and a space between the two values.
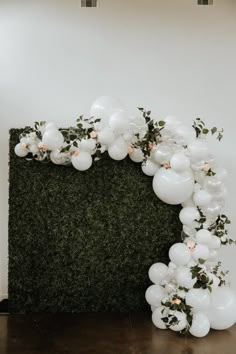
[83, 241]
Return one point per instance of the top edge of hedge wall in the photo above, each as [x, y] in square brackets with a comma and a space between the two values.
[83, 241]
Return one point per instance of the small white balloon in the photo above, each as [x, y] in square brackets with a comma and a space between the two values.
[88, 145]
[53, 139]
[214, 243]
[184, 277]
[188, 215]
[223, 308]
[158, 314]
[184, 134]
[200, 325]
[21, 150]
[179, 162]
[181, 321]
[199, 299]
[180, 254]
[51, 125]
[136, 155]
[103, 107]
[106, 136]
[150, 168]
[200, 252]
[154, 295]
[59, 158]
[204, 236]
[214, 208]
[173, 187]
[212, 184]
[202, 197]
[118, 150]
[82, 160]
[162, 153]
[157, 272]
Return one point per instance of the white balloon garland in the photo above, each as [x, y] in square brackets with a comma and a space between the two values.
[190, 294]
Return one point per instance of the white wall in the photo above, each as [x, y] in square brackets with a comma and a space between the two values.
[168, 55]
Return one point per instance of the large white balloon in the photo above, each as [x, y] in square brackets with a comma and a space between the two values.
[104, 107]
[82, 161]
[21, 150]
[154, 295]
[223, 308]
[53, 139]
[200, 325]
[179, 162]
[199, 299]
[157, 316]
[173, 187]
[179, 254]
[157, 272]
[118, 150]
[150, 168]
[188, 215]
[59, 158]
[88, 145]
[119, 122]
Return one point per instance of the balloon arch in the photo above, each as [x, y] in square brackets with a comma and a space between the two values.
[191, 293]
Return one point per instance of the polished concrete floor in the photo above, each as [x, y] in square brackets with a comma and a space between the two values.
[103, 334]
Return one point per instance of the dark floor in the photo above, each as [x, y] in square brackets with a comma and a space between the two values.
[103, 334]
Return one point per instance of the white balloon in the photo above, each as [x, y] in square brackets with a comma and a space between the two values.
[119, 122]
[214, 208]
[172, 187]
[199, 299]
[157, 316]
[154, 295]
[82, 162]
[34, 149]
[53, 139]
[184, 134]
[223, 308]
[21, 150]
[51, 125]
[88, 145]
[184, 277]
[157, 272]
[179, 162]
[188, 215]
[180, 254]
[202, 198]
[204, 236]
[198, 150]
[150, 168]
[137, 155]
[182, 321]
[162, 153]
[200, 252]
[214, 243]
[104, 107]
[212, 184]
[59, 158]
[106, 136]
[118, 150]
[200, 325]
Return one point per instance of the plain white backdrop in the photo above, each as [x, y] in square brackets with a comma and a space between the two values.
[170, 56]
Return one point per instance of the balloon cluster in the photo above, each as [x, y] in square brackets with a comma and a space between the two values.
[190, 294]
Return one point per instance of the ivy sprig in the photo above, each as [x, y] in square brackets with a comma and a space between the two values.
[201, 129]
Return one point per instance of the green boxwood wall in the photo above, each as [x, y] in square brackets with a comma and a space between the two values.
[83, 241]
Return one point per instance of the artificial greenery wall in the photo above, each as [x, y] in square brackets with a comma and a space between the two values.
[83, 241]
